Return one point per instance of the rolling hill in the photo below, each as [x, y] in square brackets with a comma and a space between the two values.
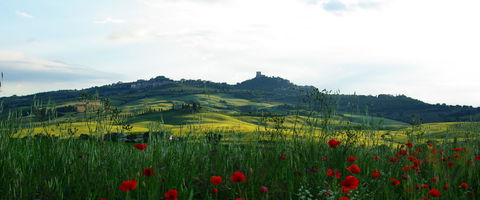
[248, 98]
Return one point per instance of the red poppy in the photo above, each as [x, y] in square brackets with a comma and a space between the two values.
[283, 156]
[346, 190]
[171, 194]
[350, 182]
[409, 144]
[406, 168]
[457, 149]
[238, 177]
[394, 181]
[343, 198]
[477, 158]
[263, 189]
[405, 176]
[430, 144]
[434, 193]
[354, 169]
[393, 159]
[464, 185]
[351, 159]
[338, 175]
[330, 172]
[324, 158]
[216, 180]
[103, 199]
[214, 191]
[449, 164]
[402, 153]
[424, 186]
[376, 157]
[376, 174]
[140, 146]
[148, 172]
[128, 185]
[333, 143]
[435, 179]
[239, 199]
[445, 187]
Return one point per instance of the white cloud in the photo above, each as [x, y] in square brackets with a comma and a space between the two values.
[27, 75]
[110, 20]
[23, 14]
[424, 49]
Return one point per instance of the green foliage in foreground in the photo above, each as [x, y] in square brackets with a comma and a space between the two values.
[47, 168]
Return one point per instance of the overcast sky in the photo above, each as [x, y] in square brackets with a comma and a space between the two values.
[425, 49]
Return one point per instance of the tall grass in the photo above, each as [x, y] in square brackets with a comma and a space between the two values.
[70, 168]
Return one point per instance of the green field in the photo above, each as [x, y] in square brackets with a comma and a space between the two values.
[192, 138]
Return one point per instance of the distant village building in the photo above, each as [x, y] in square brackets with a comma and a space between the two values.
[259, 74]
[149, 84]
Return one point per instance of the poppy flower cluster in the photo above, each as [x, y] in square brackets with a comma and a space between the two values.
[171, 194]
[128, 185]
[333, 143]
[350, 183]
[140, 146]
[238, 177]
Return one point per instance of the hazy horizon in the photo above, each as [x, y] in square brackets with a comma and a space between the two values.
[422, 49]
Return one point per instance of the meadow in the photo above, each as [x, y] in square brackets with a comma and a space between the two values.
[213, 153]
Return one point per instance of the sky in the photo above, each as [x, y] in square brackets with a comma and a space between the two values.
[427, 49]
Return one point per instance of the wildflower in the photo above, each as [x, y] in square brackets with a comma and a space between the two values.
[464, 185]
[434, 193]
[351, 159]
[330, 172]
[333, 143]
[354, 169]
[338, 175]
[350, 183]
[263, 189]
[140, 146]
[128, 185]
[477, 158]
[457, 149]
[216, 180]
[343, 198]
[409, 144]
[376, 157]
[376, 174]
[405, 176]
[324, 158]
[393, 159]
[171, 194]
[435, 179]
[394, 181]
[283, 157]
[402, 153]
[406, 168]
[148, 172]
[445, 187]
[239, 199]
[238, 177]
[214, 191]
